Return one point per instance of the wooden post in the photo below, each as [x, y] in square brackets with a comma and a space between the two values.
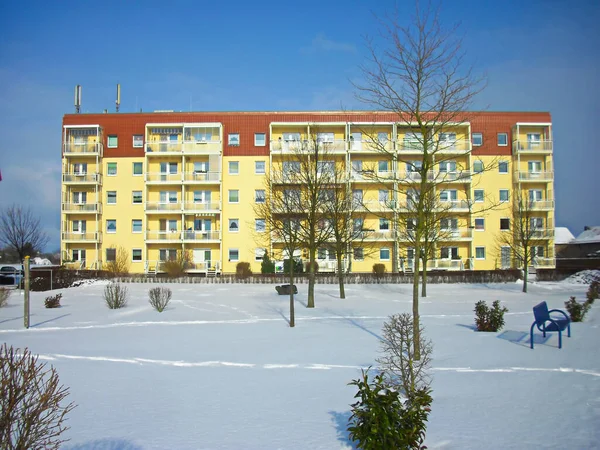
[26, 295]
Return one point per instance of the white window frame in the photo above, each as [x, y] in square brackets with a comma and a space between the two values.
[257, 141]
[257, 167]
[449, 194]
[233, 167]
[109, 221]
[229, 254]
[480, 257]
[477, 163]
[503, 164]
[480, 220]
[384, 224]
[233, 140]
[108, 165]
[500, 192]
[133, 222]
[230, 193]
[257, 198]
[108, 197]
[384, 249]
[475, 191]
[141, 143]
[235, 222]
[80, 169]
[505, 136]
[361, 251]
[259, 254]
[133, 202]
[112, 137]
[139, 164]
[260, 225]
[534, 167]
[477, 137]
[133, 252]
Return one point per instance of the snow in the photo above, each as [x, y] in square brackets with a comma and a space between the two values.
[221, 369]
[562, 235]
[588, 236]
[584, 277]
[41, 261]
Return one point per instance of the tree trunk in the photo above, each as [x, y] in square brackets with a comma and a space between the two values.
[311, 278]
[424, 280]
[341, 276]
[416, 331]
[525, 271]
[292, 315]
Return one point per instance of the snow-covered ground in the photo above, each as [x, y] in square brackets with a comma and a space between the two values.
[221, 369]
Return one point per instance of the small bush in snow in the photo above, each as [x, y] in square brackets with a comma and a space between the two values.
[159, 298]
[242, 270]
[115, 296]
[267, 266]
[577, 310]
[593, 292]
[176, 268]
[489, 319]
[379, 270]
[381, 419]
[4, 294]
[53, 301]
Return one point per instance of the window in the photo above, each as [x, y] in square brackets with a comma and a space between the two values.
[503, 167]
[382, 166]
[326, 167]
[357, 197]
[79, 198]
[111, 226]
[234, 139]
[503, 195]
[448, 166]
[78, 226]
[448, 224]
[138, 140]
[478, 166]
[111, 254]
[411, 223]
[534, 167]
[113, 141]
[234, 254]
[138, 168]
[111, 197]
[537, 251]
[479, 195]
[168, 197]
[505, 224]
[533, 140]
[477, 139]
[259, 167]
[357, 224]
[136, 197]
[234, 225]
[259, 254]
[234, 167]
[80, 168]
[383, 195]
[503, 139]
[259, 225]
[384, 254]
[359, 253]
[382, 137]
[259, 196]
[167, 254]
[384, 224]
[111, 169]
[202, 196]
[414, 166]
[321, 253]
[449, 195]
[535, 195]
[234, 196]
[136, 254]
[78, 255]
[449, 253]
[479, 252]
[536, 223]
[260, 139]
[480, 224]
[136, 226]
[325, 138]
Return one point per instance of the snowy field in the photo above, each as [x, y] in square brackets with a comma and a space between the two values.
[221, 369]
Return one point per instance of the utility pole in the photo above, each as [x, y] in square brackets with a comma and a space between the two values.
[26, 294]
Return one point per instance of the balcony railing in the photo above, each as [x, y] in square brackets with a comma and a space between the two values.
[202, 177]
[542, 146]
[201, 236]
[540, 205]
[308, 146]
[161, 148]
[369, 145]
[205, 266]
[535, 176]
[543, 262]
[167, 178]
[454, 205]
[82, 178]
[82, 237]
[163, 236]
[163, 207]
[542, 233]
[201, 147]
[415, 146]
[445, 264]
[202, 207]
[455, 234]
[87, 208]
[91, 149]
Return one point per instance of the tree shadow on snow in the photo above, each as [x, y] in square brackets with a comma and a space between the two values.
[470, 326]
[49, 320]
[340, 420]
[105, 444]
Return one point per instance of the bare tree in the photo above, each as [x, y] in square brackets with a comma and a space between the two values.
[120, 264]
[21, 231]
[33, 402]
[420, 75]
[527, 234]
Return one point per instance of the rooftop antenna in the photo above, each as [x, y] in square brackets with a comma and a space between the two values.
[118, 101]
[77, 99]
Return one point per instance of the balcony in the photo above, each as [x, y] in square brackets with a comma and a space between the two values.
[539, 262]
[83, 208]
[371, 146]
[542, 233]
[413, 177]
[447, 147]
[199, 208]
[204, 267]
[162, 207]
[162, 178]
[81, 237]
[154, 237]
[363, 175]
[542, 147]
[308, 146]
[455, 234]
[82, 149]
[445, 264]
[535, 177]
[374, 206]
[82, 178]
[168, 148]
[464, 176]
[201, 236]
[202, 177]
[202, 147]
[454, 205]
[541, 205]
[381, 235]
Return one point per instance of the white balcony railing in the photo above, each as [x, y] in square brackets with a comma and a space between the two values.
[454, 205]
[82, 178]
[201, 236]
[81, 237]
[542, 146]
[202, 147]
[199, 207]
[308, 146]
[205, 266]
[445, 264]
[542, 233]
[543, 262]
[88, 208]
[159, 177]
[163, 207]
[163, 236]
[455, 234]
[158, 148]
[202, 177]
[415, 146]
[91, 149]
[536, 176]
[541, 205]
[369, 145]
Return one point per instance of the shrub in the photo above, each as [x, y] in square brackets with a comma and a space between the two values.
[159, 298]
[577, 310]
[593, 292]
[403, 372]
[315, 265]
[115, 296]
[379, 270]
[53, 301]
[382, 420]
[4, 294]
[120, 265]
[298, 266]
[489, 319]
[267, 266]
[32, 414]
[242, 270]
[176, 268]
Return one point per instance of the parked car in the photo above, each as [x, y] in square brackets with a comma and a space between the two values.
[11, 274]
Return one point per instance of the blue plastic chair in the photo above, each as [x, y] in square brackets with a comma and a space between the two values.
[545, 323]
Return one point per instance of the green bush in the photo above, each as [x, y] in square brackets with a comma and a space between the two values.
[379, 270]
[489, 319]
[593, 292]
[4, 294]
[298, 266]
[267, 266]
[577, 310]
[115, 295]
[53, 301]
[159, 298]
[242, 270]
[382, 420]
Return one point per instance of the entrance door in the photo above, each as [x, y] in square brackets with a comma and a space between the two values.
[202, 258]
[505, 257]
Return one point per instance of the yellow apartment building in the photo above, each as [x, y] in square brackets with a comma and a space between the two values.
[159, 184]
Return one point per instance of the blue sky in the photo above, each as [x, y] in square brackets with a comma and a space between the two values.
[539, 55]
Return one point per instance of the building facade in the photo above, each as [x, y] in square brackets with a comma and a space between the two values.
[166, 183]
